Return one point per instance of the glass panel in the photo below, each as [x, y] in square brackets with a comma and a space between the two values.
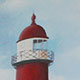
[39, 44]
[44, 47]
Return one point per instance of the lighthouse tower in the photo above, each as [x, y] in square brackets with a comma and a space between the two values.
[33, 57]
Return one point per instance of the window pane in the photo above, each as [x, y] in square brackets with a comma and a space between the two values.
[40, 44]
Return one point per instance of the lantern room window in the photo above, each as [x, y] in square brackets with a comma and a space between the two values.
[40, 44]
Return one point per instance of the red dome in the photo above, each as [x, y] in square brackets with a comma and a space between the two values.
[33, 31]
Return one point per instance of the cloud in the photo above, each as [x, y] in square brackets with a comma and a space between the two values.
[2, 58]
[66, 65]
[11, 5]
[71, 58]
[59, 78]
[7, 74]
[56, 77]
[73, 54]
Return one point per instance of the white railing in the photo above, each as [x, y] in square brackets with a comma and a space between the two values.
[47, 55]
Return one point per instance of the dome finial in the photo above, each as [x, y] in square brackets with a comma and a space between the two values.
[33, 18]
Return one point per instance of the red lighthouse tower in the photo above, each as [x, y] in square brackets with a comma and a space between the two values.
[33, 58]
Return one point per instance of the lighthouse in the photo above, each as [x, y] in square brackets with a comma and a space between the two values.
[33, 56]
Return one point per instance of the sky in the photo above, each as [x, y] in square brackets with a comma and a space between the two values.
[60, 19]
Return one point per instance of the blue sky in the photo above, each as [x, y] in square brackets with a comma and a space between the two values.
[60, 19]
